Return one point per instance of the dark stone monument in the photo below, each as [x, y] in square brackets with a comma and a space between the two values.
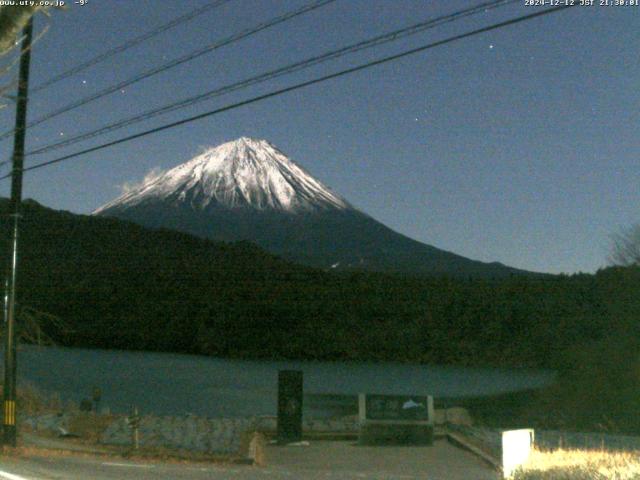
[289, 406]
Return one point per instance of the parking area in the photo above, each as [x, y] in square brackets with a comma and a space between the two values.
[347, 460]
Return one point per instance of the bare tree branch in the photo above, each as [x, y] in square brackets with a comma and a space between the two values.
[12, 20]
[625, 249]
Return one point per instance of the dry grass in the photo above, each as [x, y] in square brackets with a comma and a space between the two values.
[581, 465]
[148, 455]
[90, 426]
[32, 401]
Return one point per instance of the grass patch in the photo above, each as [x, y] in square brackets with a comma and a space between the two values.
[33, 401]
[148, 455]
[580, 465]
[90, 426]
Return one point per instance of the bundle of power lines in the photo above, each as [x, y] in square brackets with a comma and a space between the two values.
[248, 82]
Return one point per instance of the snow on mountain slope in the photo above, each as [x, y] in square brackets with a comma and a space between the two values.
[247, 190]
[238, 174]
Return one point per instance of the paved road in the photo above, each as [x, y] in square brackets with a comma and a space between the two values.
[320, 460]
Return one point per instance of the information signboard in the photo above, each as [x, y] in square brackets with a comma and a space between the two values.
[396, 407]
[395, 419]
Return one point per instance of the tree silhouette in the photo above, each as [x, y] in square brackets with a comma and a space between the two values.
[625, 250]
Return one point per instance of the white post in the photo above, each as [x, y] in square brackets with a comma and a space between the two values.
[516, 449]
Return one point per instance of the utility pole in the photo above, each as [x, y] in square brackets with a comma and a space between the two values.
[9, 418]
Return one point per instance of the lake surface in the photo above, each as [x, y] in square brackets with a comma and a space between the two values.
[172, 384]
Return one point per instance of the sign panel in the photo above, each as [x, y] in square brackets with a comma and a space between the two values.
[397, 407]
[395, 419]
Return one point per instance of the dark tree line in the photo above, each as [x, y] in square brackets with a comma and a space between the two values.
[117, 285]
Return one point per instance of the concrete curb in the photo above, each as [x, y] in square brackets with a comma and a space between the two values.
[31, 440]
[48, 446]
[461, 442]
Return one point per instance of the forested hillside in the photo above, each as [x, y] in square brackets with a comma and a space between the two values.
[118, 285]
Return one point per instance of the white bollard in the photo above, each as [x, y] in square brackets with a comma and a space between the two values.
[516, 449]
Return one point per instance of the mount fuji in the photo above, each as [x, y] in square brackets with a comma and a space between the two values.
[249, 190]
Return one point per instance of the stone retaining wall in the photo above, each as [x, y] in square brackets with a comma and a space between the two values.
[192, 433]
[200, 434]
[56, 423]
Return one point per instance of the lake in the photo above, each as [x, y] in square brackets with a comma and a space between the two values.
[173, 384]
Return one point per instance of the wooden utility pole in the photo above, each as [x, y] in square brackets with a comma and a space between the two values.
[9, 418]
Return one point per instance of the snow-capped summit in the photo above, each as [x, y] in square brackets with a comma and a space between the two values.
[248, 190]
[242, 173]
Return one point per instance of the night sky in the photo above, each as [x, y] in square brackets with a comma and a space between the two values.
[519, 145]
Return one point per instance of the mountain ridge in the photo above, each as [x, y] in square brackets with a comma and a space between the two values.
[248, 189]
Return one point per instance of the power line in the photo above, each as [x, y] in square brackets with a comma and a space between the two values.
[270, 75]
[298, 86]
[178, 61]
[129, 44]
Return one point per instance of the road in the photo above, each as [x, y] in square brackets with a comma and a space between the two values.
[319, 460]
